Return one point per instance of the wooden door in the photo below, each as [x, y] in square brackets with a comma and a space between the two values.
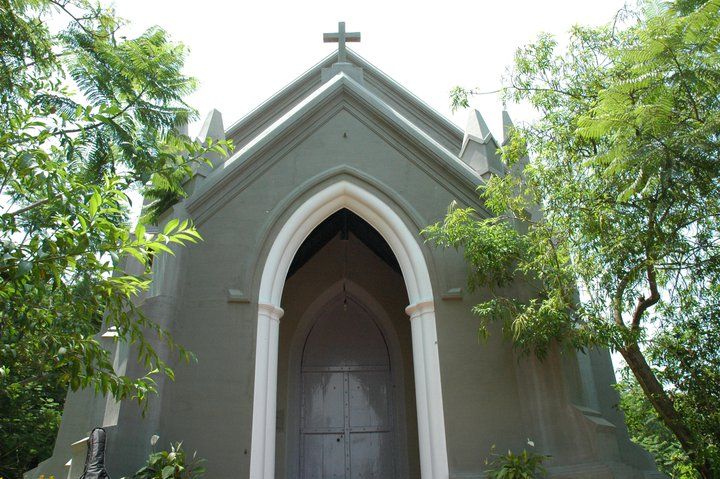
[346, 415]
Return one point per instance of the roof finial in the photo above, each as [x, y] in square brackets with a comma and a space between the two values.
[341, 37]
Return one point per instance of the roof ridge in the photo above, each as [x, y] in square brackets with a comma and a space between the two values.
[444, 126]
[406, 91]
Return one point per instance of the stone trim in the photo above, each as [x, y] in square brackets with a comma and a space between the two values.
[431, 421]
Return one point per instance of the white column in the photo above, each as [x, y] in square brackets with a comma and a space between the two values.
[421, 398]
[262, 455]
[428, 391]
[271, 411]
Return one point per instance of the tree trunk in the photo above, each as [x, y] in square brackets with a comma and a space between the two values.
[665, 407]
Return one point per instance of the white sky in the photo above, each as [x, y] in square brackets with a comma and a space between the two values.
[244, 52]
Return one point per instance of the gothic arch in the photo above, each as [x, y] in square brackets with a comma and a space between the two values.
[344, 194]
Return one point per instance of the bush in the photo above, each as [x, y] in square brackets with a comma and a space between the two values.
[173, 464]
[526, 465]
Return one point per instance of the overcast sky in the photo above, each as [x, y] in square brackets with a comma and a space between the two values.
[242, 52]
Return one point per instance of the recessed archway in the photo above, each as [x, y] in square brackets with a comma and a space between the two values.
[402, 402]
[407, 251]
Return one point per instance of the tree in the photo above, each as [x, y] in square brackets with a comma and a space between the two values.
[624, 178]
[86, 115]
[649, 432]
[685, 356]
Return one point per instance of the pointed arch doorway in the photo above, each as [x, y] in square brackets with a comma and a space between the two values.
[415, 275]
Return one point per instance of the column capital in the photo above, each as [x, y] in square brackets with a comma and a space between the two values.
[420, 308]
[270, 310]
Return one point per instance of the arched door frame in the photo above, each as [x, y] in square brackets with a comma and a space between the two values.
[426, 365]
[305, 324]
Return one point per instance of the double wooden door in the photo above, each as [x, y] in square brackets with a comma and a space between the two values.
[346, 413]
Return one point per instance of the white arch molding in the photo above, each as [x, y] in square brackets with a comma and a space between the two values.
[428, 389]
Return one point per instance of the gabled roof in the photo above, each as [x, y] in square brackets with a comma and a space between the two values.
[395, 95]
[348, 94]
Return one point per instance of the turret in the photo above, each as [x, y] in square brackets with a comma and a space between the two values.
[479, 148]
[212, 129]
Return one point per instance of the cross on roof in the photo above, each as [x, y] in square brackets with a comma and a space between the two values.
[341, 37]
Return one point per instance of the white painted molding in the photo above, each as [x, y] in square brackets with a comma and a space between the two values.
[335, 197]
[310, 80]
[111, 332]
[427, 366]
[264, 394]
[418, 309]
[273, 312]
[431, 421]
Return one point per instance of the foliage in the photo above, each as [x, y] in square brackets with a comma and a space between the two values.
[29, 422]
[686, 356]
[620, 198]
[526, 465]
[648, 431]
[173, 464]
[86, 116]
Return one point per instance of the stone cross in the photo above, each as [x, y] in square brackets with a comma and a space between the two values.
[341, 37]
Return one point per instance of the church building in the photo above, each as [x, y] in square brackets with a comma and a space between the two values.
[331, 340]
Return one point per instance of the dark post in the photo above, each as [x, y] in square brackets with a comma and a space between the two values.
[95, 459]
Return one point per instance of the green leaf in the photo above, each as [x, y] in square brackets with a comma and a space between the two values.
[170, 226]
[24, 267]
[94, 203]
[157, 246]
[140, 231]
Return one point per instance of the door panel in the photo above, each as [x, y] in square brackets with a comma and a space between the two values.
[368, 399]
[324, 456]
[371, 455]
[323, 400]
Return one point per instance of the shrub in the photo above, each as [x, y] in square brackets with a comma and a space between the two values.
[526, 465]
[173, 464]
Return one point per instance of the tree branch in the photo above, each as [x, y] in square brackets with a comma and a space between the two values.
[644, 303]
[101, 123]
[618, 297]
[31, 206]
[63, 7]
[552, 90]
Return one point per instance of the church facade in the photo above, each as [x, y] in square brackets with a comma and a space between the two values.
[332, 342]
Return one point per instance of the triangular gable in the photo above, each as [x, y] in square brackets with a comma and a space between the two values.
[396, 96]
[221, 181]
